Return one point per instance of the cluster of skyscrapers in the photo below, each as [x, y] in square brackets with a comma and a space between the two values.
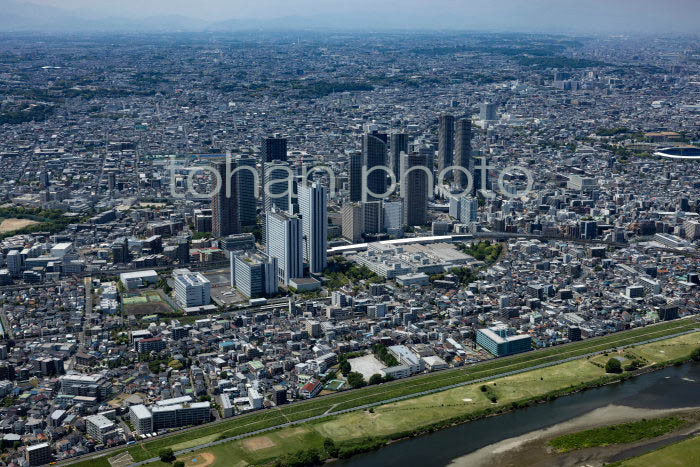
[295, 232]
[292, 234]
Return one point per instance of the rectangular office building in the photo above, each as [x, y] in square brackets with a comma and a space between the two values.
[502, 341]
[191, 288]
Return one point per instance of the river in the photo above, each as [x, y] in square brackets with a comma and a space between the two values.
[674, 387]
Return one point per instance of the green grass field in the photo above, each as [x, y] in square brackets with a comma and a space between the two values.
[411, 413]
[618, 434]
[683, 454]
[134, 300]
[527, 384]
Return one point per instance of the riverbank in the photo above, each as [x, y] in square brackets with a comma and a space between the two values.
[533, 449]
[354, 431]
[231, 430]
[681, 453]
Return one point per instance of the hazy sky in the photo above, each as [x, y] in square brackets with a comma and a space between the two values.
[575, 15]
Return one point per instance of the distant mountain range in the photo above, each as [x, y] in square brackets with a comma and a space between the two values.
[30, 17]
[537, 16]
[18, 16]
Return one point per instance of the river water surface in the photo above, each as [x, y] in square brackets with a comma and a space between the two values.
[674, 387]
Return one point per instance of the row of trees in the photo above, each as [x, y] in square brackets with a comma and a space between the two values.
[381, 352]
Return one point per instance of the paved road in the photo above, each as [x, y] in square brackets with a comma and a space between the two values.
[5, 323]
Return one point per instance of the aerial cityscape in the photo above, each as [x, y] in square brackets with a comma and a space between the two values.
[231, 246]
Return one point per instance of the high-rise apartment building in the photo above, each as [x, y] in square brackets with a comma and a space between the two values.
[463, 151]
[446, 141]
[392, 211]
[374, 155]
[246, 191]
[14, 263]
[225, 204]
[284, 236]
[276, 177]
[254, 275]
[398, 143]
[355, 176]
[487, 111]
[353, 220]
[468, 209]
[313, 207]
[414, 189]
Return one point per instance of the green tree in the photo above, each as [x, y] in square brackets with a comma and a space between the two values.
[356, 380]
[175, 364]
[376, 379]
[695, 355]
[179, 464]
[166, 455]
[330, 447]
[345, 368]
[613, 366]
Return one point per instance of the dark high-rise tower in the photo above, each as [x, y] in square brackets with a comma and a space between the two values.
[246, 191]
[446, 143]
[224, 204]
[414, 189]
[373, 155]
[463, 151]
[274, 149]
[398, 144]
[183, 250]
[355, 176]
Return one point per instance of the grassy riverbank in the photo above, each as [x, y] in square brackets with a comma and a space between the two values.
[682, 454]
[618, 434]
[355, 431]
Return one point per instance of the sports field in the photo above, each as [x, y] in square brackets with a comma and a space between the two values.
[578, 371]
[148, 302]
[9, 225]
